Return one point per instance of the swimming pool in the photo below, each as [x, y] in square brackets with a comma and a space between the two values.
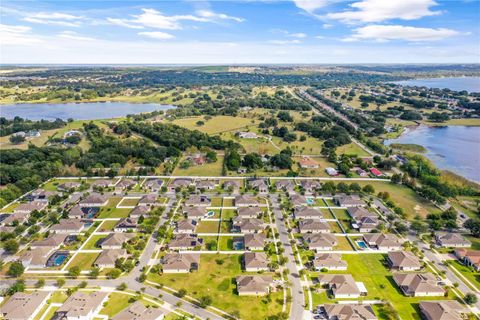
[310, 201]
[57, 259]
[210, 214]
[361, 244]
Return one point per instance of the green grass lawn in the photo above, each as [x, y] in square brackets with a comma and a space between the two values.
[227, 214]
[208, 241]
[216, 124]
[218, 282]
[352, 148]
[341, 214]
[208, 169]
[227, 202]
[84, 261]
[116, 303]
[469, 273]
[216, 201]
[58, 297]
[113, 213]
[334, 227]
[107, 225]
[343, 244]
[207, 227]
[225, 243]
[225, 227]
[129, 202]
[90, 245]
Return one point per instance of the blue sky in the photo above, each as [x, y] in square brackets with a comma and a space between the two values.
[240, 32]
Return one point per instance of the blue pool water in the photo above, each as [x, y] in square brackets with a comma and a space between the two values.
[210, 213]
[59, 259]
[310, 201]
[362, 244]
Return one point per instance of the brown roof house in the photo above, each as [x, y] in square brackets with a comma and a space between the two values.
[308, 163]
[115, 240]
[198, 200]
[246, 200]
[138, 311]
[125, 184]
[30, 206]
[452, 240]
[180, 262]
[52, 241]
[194, 213]
[442, 310]
[179, 183]
[287, 185]
[126, 225]
[383, 241]
[403, 261]
[148, 200]
[346, 201]
[419, 284]
[247, 225]
[342, 285]
[139, 211]
[21, 217]
[349, 312]
[329, 261]
[68, 226]
[298, 200]
[307, 213]
[37, 258]
[253, 285]
[23, 306]
[67, 186]
[185, 226]
[320, 241]
[469, 257]
[81, 305]
[233, 185]
[154, 185]
[309, 185]
[205, 185]
[184, 242]
[255, 261]
[94, 200]
[313, 226]
[254, 241]
[107, 258]
[259, 185]
[249, 212]
[102, 183]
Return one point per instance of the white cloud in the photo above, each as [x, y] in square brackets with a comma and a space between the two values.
[157, 35]
[311, 5]
[284, 42]
[74, 36]
[327, 26]
[155, 19]
[381, 10]
[398, 32]
[299, 35]
[319, 37]
[53, 18]
[17, 35]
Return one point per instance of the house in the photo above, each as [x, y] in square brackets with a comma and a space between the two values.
[36, 259]
[319, 241]
[298, 200]
[362, 219]
[287, 185]
[247, 225]
[206, 185]
[30, 206]
[247, 135]
[342, 285]
[71, 133]
[94, 200]
[308, 163]
[307, 213]
[23, 306]
[81, 306]
[254, 241]
[198, 200]
[444, 310]
[154, 185]
[233, 185]
[329, 261]
[78, 212]
[469, 257]
[68, 226]
[107, 258]
[259, 185]
[179, 183]
[115, 240]
[246, 201]
[194, 213]
[381, 207]
[125, 184]
[126, 225]
[137, 311]
[451, 240]
[185, 226]
[331, 171]
[348, 312]
[184, 242]
[253, 285]
[309, 185]
[67, 186]
[346, 201]
[21, 217]
[403, 261]
[52, 241]
[313, 226]
[376, 172]
[139, 211]
[101, 184]
[197, 159]
[40, 195]
[148, 200]
[418, 284]
[180, 262]
[361, 172]
[255, 261]
[249, 212]
[383, 241]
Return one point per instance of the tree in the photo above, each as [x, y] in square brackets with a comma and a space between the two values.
[40, 283]
[211, 156]
[368, 189]
[60, 282]
[474, 226]
[11, 246]
[232, 160]
[122, 286]
[204, 301]
[18, 286]
[16, 139]
[16, 269]
[114, 273]
[142, 277]
[74, 271]
[252, 161]
[181, 293]
[470, 298]
[200, 123]
[94, 273]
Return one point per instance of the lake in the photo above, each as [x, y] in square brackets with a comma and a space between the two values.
[454, 148]
[77, 111]
[471, 84]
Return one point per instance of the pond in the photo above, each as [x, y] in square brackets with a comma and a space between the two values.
[454, 148]
[78, 111]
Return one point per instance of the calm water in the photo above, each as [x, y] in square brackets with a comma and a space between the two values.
[77, 111]
[454, 148]
[471, 84]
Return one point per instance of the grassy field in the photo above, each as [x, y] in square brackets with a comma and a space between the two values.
[107, 225]
[469, 273]
[218, 282]
[352, 148]
[217, 124]
[208, 169]
[409, 147]
[207, 227]
[84, 261]
[90, 245]
[116, 303]
[455, 122]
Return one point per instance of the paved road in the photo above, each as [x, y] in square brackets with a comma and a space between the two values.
[298, 299]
